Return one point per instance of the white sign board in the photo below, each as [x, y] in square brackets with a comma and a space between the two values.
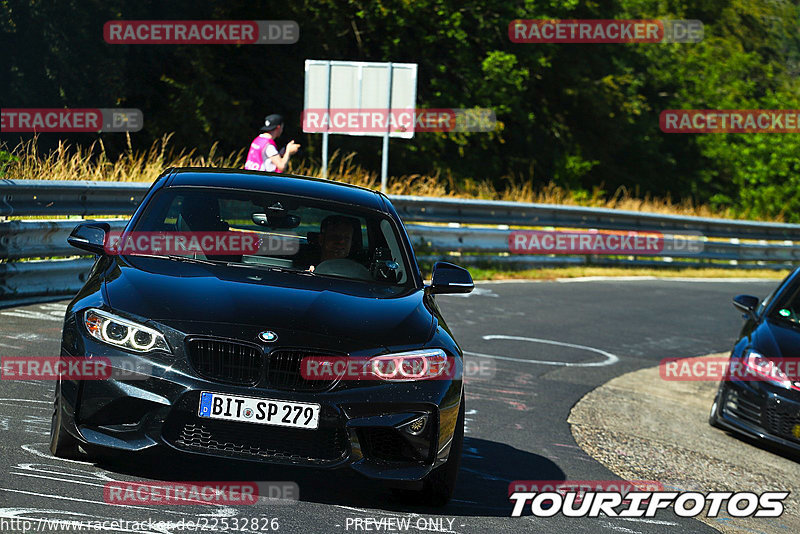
[354, 92]
[353, 88]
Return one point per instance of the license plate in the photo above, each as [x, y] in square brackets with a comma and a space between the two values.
[258, 410]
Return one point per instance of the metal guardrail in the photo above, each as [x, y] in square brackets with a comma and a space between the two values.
[62, 197]
[40, 280]
[495, 241]
[424, 209]
[445, 234]
[41, 239]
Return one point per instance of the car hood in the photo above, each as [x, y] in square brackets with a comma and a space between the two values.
[774, 339]
[179, 294]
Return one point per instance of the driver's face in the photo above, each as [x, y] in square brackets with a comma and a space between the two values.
[201, 214]
[336, 241]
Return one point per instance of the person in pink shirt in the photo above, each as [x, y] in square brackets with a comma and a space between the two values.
[264, 154]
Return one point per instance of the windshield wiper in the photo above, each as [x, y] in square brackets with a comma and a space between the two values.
[270, 267]
[185, 259]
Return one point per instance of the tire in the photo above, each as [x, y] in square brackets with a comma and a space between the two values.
[712, 416]
[439, 486]
[62, 443]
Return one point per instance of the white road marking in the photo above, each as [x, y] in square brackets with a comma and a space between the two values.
[477, 292]
[29, 448]
[49, 470]
[663, 279]
[12, 405]
[606, 279]
[34, 424]
[29, 314]
[40, 383]
[610, 358]
[227, 510]
[651, 521]
[25, 336]
[62, 497]
[735, 280]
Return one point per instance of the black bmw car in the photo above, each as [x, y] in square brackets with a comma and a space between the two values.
[211, 340]
[760, 396]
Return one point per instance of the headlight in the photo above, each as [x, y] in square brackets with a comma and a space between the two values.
[412, 365]
[123, 333]
[767, 368]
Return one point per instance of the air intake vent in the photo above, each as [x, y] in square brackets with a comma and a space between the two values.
[284, 371]
[226, 361]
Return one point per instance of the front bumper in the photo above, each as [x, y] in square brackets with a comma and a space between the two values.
[360, 427]
[761, 410]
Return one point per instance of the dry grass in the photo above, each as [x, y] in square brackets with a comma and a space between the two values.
[94, 163]
[517, 189]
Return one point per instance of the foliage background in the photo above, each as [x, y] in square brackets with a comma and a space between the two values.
[582, 117]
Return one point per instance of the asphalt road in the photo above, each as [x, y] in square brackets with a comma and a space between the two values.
[645, 428]
[516, 421]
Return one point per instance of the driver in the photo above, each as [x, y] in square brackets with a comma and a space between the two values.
[201, 214]
[336, 237]
[336, 234]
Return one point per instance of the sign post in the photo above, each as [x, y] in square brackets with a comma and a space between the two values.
[325, 133]
[385, 151]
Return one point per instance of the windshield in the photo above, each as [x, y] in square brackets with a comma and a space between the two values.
[270, 231]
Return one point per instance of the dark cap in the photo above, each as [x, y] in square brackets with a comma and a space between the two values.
[271, 122]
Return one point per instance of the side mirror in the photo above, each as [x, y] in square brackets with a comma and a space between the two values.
[90, 236]
[746, 303]
[449, 278]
